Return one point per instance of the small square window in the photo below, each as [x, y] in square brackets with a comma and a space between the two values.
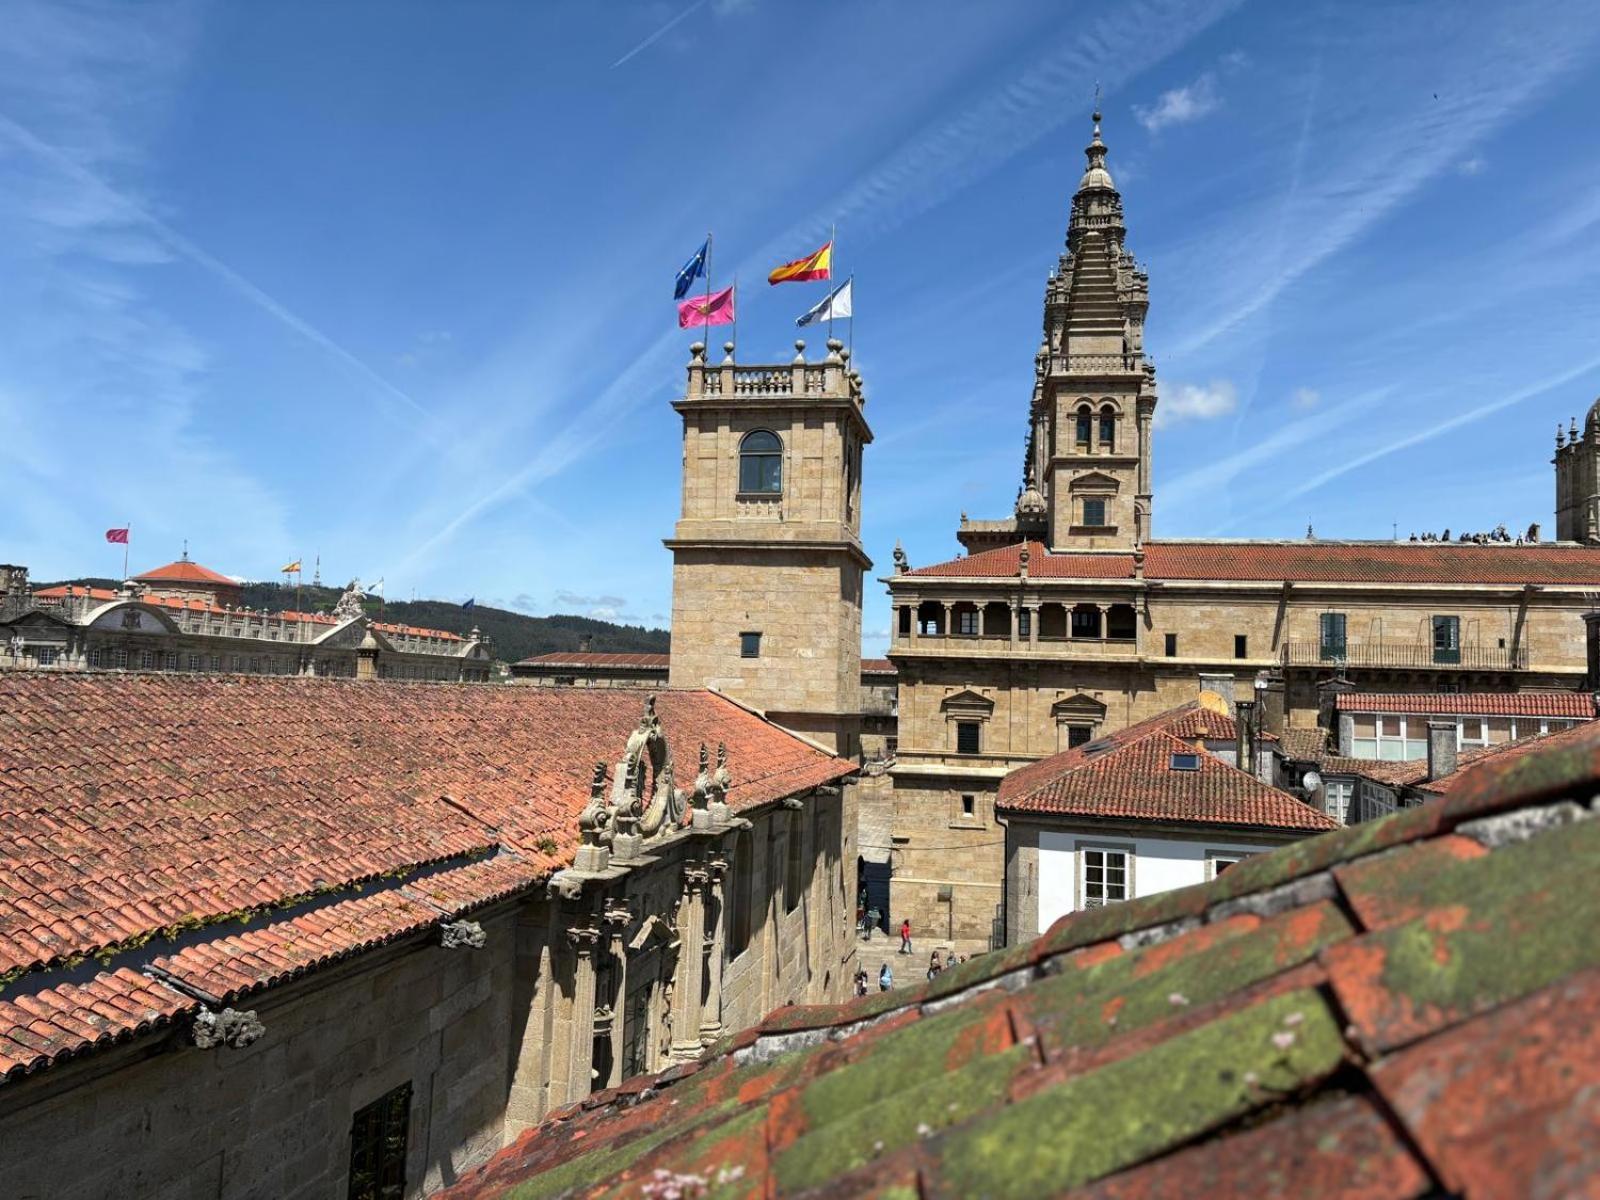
[1079, 735]
[1241, 646]
[1172, 645]
[1185, 762]
[1094, 512]
[749, 645]
[969, 806]
[968, 737]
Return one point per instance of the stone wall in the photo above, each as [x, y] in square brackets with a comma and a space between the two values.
[165, 1120]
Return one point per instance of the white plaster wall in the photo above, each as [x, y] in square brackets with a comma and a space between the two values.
[1159, 864]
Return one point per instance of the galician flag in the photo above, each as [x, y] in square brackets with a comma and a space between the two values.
[694, 269]
[818, 265]
[290, 568]
[835, 304]
[715, 309]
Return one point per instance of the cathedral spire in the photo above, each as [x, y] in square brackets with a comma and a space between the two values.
[1096, 204]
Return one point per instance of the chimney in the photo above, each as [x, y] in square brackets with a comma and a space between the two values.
[584, 642]
[1244, 748]
[1441, 749]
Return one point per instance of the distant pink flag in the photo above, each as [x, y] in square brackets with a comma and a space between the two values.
[715, 309]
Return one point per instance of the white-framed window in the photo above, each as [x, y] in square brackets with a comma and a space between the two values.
[1105, 874]
[1218, 861]
[120, 658]
[44, 655]
[97, 657]
[1336, 796]
[1471, 732]
[216, 662]
[195, 662]
[1395, 739]
[967, 622]
[147, 659]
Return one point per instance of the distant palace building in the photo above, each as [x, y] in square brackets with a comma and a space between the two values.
[186, 617]
[1068, 620]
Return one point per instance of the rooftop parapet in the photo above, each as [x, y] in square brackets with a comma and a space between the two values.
[832, 376]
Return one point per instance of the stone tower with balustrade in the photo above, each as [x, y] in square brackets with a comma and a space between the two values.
[767, 561]
[1086, 479]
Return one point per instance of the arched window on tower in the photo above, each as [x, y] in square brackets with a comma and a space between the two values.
[1085, 427]
[761, 463]
[1108, 427]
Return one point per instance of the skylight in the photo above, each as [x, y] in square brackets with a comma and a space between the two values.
[1185, 762]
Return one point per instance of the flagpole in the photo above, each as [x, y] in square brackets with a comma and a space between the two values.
[125, 552]
[833, 253]
[705, 315]
[733, 333]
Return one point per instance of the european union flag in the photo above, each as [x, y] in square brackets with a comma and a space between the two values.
[694, 269]
[467, 607]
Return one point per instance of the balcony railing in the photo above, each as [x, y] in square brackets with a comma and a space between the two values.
[1408, 655]
[1115, 364]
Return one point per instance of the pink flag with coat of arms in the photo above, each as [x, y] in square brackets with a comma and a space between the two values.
[715, 309]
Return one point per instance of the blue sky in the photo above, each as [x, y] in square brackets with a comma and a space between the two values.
[389, 282]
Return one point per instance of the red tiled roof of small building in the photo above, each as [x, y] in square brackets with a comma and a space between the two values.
[878, 666]
[1398, 1009]
[1577, 705]
[194, 604]
[1295, 562]
[598, 658]
[133, 804]
[185, 571]
[1129, 775]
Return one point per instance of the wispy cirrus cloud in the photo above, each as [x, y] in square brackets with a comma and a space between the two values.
[1181, 105]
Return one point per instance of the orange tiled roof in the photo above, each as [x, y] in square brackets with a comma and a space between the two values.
[184, 571]
[1579, 705]
[878, 666]
[1403, 1008]
[194, 604]
[597, 658]
[1129, 775]
[133, 804]
[1306, 562]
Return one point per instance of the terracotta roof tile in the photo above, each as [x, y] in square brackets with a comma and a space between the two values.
[1578, 705]
[185, 571]
[1374, 1012]
[132, 803]
[1131, 775]
[581, 659]
[1303, 562]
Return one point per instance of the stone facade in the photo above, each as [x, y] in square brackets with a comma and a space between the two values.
[150, 627]
[767, 557]
[1577, 464]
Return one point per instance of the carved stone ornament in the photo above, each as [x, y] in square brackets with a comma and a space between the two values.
[462, 935]
[226, 1028]
[349, 604]
[664, 807]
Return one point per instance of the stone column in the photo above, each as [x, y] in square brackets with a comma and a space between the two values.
[1033, 625]
[981, 618]
[1016, 610]
[580, 1059]
[691, 962]
[617, 918]
[1105, 621]
[711, 1016]
[948, 631]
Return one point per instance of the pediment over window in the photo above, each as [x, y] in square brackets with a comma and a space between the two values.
[1094, 481]
[967, 701]
[1078, 708]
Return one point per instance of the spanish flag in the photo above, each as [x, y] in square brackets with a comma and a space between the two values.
[813, 266]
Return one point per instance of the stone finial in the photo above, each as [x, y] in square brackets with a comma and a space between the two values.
[844, 355]
[835, 350]
[1561, 436]
[722, 781]
[1311, 534]
[702, 781]
[462, 935]
[229, 1027]
[901, 563]
[727, 352]
[697, 352]
[799, 350]
[1023, 557]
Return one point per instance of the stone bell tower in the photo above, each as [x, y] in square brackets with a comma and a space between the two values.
[767, 561]
[1087, 474]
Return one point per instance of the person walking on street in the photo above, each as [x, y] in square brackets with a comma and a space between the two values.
[861, 982]
[885, 977]
[905, 936]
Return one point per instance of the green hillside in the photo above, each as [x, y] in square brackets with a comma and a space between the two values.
[516, 636]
